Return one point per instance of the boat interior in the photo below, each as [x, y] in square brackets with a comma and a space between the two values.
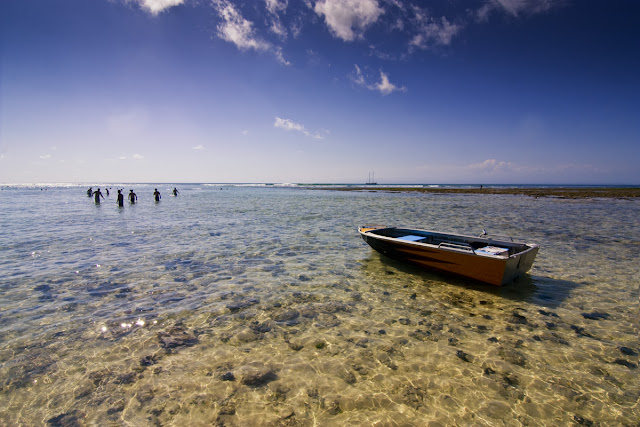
[482, 245]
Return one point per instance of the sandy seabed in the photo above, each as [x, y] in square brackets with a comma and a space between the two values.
[264, 307]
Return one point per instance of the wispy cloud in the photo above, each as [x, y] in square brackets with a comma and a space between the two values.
[432, 32]
[384, 86]
[46, 156]
[492, 166]
[274, 9]
[235, 29]
[348, 19]
[276, 6]
[358, 78]
[516, 7]
[501, 169]
[290, 125]
[156, 6]
[198, 147]
[134, 157]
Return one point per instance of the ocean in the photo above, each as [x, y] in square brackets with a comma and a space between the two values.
[245, 305]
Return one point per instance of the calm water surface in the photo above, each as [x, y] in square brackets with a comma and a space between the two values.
[262, 306]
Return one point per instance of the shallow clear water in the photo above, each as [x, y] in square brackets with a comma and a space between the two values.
[262, 306]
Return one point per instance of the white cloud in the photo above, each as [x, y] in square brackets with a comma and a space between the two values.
[138, 157]
[274, 8]
[280, 56]
[236, 29]
[198, 147]
[277, 28]
[384, 86]
[241, 32]
[348, 19]
[46, 156]
[434, 32]
[289, 125]
[156, 6]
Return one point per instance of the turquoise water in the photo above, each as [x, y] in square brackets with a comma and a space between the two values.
[234, 305]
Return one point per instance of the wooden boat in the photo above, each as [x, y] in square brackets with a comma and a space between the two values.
[490, 260]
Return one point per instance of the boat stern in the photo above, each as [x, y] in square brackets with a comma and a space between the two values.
[519, 264]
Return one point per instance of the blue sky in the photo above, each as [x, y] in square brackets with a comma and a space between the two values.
[485, 91]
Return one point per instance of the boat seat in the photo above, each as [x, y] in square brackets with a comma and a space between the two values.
[493, 250]
[411, 238]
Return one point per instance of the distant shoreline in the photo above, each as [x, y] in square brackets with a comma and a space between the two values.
[558, 192]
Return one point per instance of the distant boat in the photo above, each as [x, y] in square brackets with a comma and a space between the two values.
[371, 180]
[485, 259]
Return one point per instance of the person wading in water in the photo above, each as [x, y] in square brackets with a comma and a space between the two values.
[97, 194]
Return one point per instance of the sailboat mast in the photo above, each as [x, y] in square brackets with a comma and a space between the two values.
[371, 179]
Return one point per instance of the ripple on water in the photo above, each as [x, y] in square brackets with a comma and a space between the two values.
[224, 313]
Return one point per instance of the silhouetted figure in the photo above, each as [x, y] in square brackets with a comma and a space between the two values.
[156, 194]
[89, 192]
[175, 191]
[107, 190]
[132, 197]
[97, 194]
[120, 199]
